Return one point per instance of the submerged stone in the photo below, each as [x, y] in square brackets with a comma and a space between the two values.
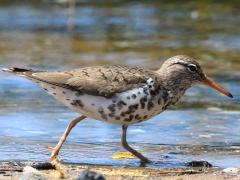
[199, 164]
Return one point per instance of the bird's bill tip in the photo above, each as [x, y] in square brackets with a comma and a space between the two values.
[217, 86]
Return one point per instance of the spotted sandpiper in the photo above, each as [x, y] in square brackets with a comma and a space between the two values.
[120, 94]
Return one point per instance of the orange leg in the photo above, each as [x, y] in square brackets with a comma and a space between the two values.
[57, 148]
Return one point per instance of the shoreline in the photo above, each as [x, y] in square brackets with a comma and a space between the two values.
[23, 170]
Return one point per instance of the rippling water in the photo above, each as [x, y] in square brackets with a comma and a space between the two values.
[203, 126]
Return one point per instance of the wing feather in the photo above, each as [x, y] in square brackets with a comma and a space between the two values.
[99, 80]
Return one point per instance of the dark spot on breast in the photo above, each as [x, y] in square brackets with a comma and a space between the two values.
[134, 106]
[111, 115]
[150, 105]
[166, 105]
[149, 86]
[120, 104]
[145, 90]
[112, 107]
[45, 89]
[53, 87]
[122, 114]
[134, 96]
[131, 117]
[131, 108]
[100, 110]
[145, 117]
[77, 103]
[63, 92]
[139, 92]
[142, 102]
[93, 104]
[67, 99]
[137, 117]
[153, 93]
[79, 93]
[114, 101]
[54, 94]
[127, 120]
[128, 97]
[127, 112]
[117, 118]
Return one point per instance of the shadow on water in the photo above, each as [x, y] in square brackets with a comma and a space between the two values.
[203, 126]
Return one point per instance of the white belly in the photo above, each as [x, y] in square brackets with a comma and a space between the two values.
[129, 107]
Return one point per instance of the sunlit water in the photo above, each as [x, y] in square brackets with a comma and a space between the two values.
[203, 126]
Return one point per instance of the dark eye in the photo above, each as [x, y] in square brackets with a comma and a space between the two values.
[192, 68]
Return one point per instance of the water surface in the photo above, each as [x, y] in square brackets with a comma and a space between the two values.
[203, 126]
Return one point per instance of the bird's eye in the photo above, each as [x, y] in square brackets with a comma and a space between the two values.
[192, 68]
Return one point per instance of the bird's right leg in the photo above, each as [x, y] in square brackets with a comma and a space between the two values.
[131, 150]
[57, 148]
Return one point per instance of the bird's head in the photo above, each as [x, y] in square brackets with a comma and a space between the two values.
[183, 71]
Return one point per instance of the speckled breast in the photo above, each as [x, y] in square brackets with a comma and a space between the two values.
[129, 107]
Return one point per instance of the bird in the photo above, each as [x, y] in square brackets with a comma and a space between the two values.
[119, 94]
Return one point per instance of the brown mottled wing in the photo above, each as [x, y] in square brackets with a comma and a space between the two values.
[100, 80]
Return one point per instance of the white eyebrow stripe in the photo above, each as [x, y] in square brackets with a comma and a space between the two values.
[192, 65]
[179, 61]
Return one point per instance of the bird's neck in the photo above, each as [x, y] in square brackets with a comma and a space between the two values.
[174, 83]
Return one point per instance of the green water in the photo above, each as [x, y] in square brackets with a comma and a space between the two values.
[43, 35]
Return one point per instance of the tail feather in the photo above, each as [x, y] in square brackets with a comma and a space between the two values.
[14, 69]
[17, 70]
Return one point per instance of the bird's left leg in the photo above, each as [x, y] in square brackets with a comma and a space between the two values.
[57, 148]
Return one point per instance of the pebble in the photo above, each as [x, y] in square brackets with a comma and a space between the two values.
[199, 164]
[90, 175]
[30, 173]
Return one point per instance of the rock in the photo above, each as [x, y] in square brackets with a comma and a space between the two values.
[231, 170]
[199, 164]
[30, 173]
[43, 166]
[90, 175]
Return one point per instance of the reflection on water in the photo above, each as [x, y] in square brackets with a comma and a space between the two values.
[203, 126]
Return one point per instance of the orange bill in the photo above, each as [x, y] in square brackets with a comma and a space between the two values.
[218, 87]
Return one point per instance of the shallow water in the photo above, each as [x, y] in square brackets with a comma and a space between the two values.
[203, 126]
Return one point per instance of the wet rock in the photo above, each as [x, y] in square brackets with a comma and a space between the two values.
[90, 175]
[199, 164]
[43, 166]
